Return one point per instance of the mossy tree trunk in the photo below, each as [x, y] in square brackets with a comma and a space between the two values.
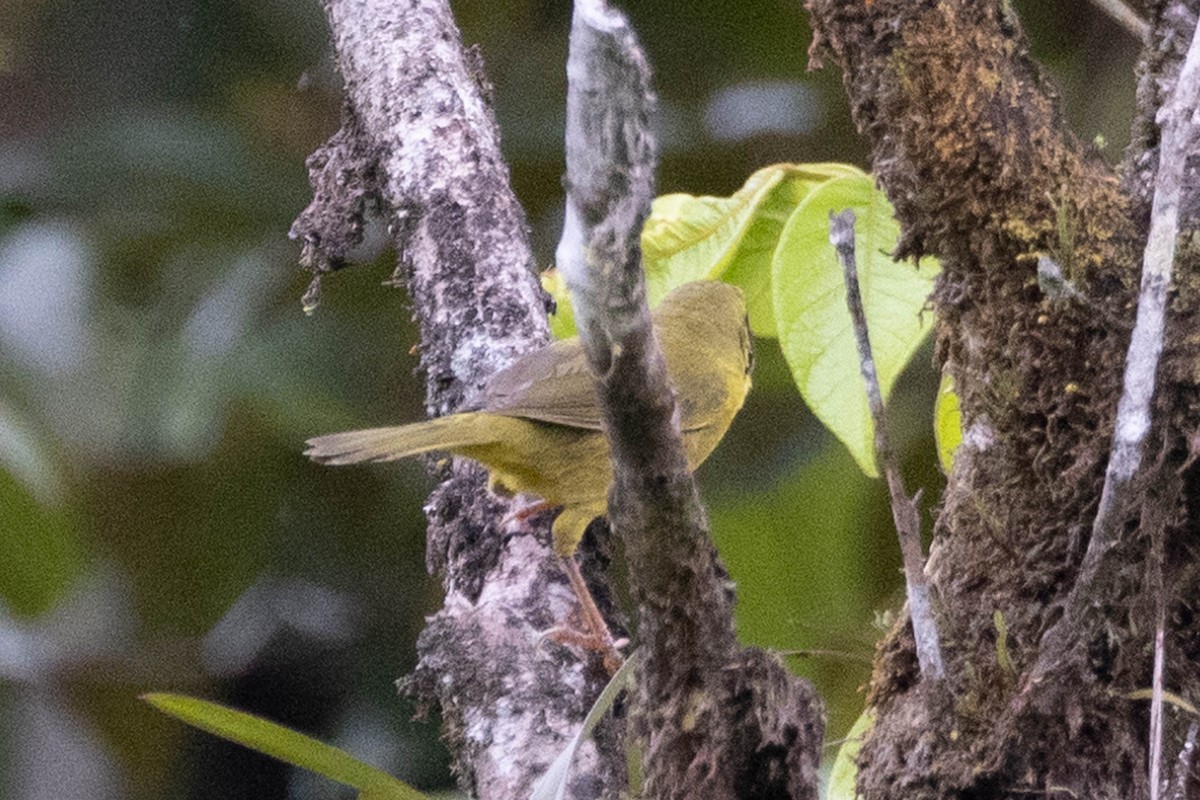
[968, 142]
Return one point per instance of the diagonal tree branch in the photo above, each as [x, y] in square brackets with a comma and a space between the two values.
[1146, 345]
[1133, 422]
[722, 721]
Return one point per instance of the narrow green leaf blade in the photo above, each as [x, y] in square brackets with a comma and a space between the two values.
[1168, 697]
[553, 783]
[285, 744]
[815, 330]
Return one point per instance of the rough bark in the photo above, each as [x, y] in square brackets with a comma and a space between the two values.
[419, 141]
[968, 143]
[720, 721]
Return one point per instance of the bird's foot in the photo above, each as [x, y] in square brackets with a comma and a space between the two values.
[595, 636]
[524, 512]
[608, 648]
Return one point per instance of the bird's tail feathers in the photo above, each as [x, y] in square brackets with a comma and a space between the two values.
[398, 441]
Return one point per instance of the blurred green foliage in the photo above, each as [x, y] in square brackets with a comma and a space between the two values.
[158, 526]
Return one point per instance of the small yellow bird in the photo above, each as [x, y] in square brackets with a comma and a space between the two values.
[537, 424]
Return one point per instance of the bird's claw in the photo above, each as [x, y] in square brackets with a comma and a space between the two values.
[604, 644]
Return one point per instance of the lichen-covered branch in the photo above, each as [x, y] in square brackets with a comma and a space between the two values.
[721, 721]
[420, 142]
[1146, 345]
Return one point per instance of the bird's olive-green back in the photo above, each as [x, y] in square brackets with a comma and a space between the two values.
[705, 340]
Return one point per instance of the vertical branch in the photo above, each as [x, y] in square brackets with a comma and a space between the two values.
[723, 722]
[1145, 348]
[610, 177]
[968, 140]
[904, 508]
[611, 161]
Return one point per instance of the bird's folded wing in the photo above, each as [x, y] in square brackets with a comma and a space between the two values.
[556, 385]
[553, 385]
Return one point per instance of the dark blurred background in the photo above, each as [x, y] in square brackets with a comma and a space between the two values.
[158, 526]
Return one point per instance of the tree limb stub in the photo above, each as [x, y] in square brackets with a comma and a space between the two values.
[421, 139]
[722, 721]
[345, 186]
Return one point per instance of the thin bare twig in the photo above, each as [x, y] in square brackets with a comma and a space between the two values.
[904, 508]
[1183, 765]
[1120, 12]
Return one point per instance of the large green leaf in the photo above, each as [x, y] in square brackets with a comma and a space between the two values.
[815, 331]
[690, 238]
[284, 744]
[771, 239]
[750, 265]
